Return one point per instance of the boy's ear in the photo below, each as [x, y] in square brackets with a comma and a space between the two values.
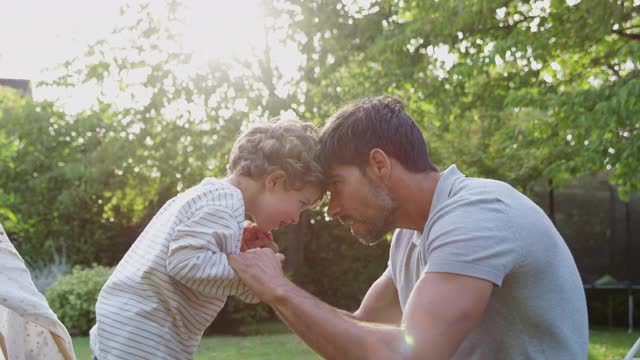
[277, 179]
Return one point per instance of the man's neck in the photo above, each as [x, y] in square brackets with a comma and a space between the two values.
[414, 194]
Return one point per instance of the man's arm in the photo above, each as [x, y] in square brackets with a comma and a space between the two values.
[441, 311]
[381, 303]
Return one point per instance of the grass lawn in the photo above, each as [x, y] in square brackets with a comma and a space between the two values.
[611, 344]
[605, 345]
[280, 346]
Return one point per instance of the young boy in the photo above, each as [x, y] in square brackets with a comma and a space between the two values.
[175, 278]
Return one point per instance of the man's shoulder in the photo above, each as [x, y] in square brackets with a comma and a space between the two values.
[473, 195]
[474, 206]
[472, 187]
[476, 194]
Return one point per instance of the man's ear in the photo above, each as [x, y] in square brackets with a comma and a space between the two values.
[275, 180]
[379, 164]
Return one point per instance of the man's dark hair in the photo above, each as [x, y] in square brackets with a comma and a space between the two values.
[375, 122]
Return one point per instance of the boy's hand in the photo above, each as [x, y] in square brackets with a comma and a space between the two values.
[253, 237]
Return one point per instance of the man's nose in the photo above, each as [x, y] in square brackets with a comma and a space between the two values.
[335, 208]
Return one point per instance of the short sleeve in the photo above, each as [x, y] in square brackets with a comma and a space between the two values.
[472, 237]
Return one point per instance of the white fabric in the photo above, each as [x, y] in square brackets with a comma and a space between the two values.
[29, 330]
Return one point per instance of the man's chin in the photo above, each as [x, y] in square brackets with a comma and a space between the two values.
[370, 242]
[365, 238]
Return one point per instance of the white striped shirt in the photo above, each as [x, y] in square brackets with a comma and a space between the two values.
[174, 279]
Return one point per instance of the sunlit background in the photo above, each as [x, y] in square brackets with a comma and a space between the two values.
[134, 101]
[36, 36]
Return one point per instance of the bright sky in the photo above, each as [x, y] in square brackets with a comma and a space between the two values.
[36, 34]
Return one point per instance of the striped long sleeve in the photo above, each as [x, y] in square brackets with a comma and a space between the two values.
[197, 254]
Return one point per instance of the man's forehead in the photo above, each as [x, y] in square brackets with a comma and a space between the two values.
[339, 172]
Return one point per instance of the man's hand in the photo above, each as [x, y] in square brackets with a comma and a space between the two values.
[261, 271]
[253, 237]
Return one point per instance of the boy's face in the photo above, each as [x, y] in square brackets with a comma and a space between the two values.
[279, 207]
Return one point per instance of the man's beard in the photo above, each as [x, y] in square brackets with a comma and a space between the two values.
[375, 229]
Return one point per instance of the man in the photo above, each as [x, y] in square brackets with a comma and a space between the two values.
[476, 269]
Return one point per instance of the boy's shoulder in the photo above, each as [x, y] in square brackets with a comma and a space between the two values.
[214, 193]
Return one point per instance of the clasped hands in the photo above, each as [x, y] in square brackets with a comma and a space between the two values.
[253, 237]
[259, 264]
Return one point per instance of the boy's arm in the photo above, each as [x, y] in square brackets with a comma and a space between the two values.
[197, 255]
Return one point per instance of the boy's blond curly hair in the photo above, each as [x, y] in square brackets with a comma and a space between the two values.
[287, 145]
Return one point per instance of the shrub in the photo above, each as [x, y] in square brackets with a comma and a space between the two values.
[73, 297]
[45, 273]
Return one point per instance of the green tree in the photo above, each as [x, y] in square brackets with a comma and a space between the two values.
[47, 177]
[516, 90]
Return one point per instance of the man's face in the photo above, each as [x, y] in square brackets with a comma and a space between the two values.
[361, 202]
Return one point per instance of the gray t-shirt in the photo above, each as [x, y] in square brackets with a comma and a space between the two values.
[488, 230]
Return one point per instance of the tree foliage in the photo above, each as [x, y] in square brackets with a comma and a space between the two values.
[514, 90]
